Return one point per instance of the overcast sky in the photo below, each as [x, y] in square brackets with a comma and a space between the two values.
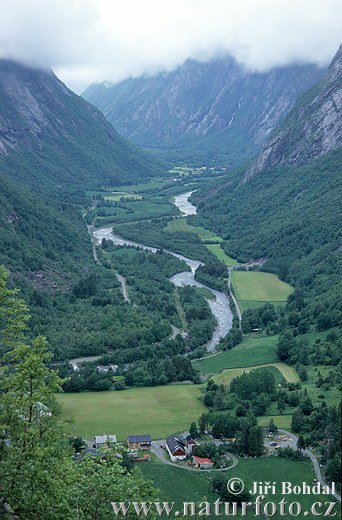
[94, 40]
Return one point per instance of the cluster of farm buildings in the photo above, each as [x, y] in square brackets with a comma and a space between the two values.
[178, 447]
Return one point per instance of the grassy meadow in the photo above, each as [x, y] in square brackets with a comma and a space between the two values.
[259, 287]
[253, 350]
[157, 411]
[280, 371]
[178, 485]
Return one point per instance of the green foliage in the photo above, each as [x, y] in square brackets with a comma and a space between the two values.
[155, 234]
[38, 477]
[73, 147]
[287, 215]
[251, 384]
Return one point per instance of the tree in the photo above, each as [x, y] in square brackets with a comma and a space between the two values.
[301, 443]
[77, 443]
[255, 441]
[297, 421]
[272, 428]
[193, 430]
[38, 477]
[333, 471]
[203, 422]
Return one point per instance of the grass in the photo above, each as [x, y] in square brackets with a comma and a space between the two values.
[145, 209]
[282, 421]
[179, 486]
[119, 196]
[280, 372]
[181, 224]
[250, 304]
[221, 255]
[260, 287]
[156, 411]
[252, 351]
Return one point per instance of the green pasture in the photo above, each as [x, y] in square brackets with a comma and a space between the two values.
[221, 255]
[280, 371]
[260, 287]
[181, 224]
[122, 196]
[254, 350]
[179, 485]
[156, 411]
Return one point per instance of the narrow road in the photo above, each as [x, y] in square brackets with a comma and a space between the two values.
[162, 456]
[175, 332]
[122, 280]
[293, 444]
[238, 310]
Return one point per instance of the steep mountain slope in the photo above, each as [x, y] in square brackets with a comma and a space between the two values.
[41, 243]
[52, 140]
[290, 212]
[215, 107]
[313, 128]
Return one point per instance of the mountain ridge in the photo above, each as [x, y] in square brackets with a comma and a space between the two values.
[217, 106]
[311, 129]
[51, 139]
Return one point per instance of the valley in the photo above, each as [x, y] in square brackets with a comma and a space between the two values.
[163, 293]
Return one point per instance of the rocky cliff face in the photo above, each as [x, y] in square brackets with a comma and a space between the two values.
[217, 106]
[311, 129]
[50, 138]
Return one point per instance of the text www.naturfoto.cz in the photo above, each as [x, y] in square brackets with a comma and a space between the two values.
[218, 508]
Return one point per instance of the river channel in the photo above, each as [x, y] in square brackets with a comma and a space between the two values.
[219, 305]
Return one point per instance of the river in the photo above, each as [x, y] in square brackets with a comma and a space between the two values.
[219, 305]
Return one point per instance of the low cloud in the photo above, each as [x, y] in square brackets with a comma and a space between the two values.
[95, 40]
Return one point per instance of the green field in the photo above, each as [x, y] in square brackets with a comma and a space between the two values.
[251, 304]
[157, 411]
[179, 485]
[260, 287]
[180, 224]
[280, 372]
[252, 351]
[221, 255]
[281, 421]
[121, 196]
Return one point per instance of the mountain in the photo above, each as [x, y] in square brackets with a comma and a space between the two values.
[313, 127]
[53, 140]
[211, 109]
[287, 206]
[42, 243]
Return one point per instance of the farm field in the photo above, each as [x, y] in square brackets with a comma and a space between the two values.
[116, 197]
[157, 411]
[281, 420]
[221, 255]
[280, 372]
[252, 351]
[195, 487]
[260, 287]
[181, 224]
[252, 304]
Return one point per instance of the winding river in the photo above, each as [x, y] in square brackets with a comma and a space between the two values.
[219, 305]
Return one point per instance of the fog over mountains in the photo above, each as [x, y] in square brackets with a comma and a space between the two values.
[217, 109]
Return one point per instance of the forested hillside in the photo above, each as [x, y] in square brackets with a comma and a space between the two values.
[52, 140]
[289, 212]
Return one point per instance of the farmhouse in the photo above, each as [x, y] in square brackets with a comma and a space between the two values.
[176, 448]
[190, 444]
[202, 463]
[139, 442]
[103, 441]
